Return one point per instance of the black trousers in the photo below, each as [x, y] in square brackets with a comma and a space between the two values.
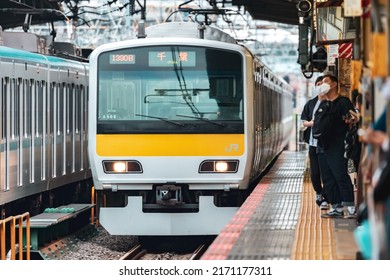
[315, 174]
[336, 181]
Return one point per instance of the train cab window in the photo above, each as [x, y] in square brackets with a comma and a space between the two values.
[224, 91]
[118, 101]
[170, 89]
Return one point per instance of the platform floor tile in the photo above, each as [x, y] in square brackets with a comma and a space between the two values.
[280, 220]
[269, 233]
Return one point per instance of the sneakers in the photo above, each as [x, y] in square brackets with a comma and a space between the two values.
[324, 205]
[350, 213]
[318, 199]
[333, 213]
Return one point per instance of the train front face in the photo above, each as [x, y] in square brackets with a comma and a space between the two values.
[167, 144]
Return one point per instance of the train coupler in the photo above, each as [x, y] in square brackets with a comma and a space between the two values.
[169, 195]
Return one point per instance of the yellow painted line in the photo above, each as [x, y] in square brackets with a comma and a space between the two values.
[314, 239]
[170, 145]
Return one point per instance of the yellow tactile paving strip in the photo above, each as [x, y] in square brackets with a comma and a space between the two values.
[314, 236]
[321, 239]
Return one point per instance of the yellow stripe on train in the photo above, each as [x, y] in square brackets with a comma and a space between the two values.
[170, 145]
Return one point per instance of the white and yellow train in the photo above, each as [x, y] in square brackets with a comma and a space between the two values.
[181, 124]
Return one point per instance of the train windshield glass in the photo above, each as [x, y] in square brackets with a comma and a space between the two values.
[170, 88]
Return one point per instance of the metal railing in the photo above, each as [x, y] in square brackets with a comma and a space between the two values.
[12, 227]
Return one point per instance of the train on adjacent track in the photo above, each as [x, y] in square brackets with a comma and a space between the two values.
[43, 120]
[182, 123]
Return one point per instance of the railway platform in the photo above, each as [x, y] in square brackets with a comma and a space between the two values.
[281, 221]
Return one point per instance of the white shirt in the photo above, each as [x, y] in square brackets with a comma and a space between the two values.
[313, 141]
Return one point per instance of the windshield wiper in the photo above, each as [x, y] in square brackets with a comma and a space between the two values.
[160, 118]
[202, 119]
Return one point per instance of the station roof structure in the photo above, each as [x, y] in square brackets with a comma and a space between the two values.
[13, 12]
[280, 11]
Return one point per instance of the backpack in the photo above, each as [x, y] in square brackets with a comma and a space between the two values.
[322, 120]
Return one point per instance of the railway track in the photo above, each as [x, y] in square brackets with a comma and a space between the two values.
[135, 253]
[139, 253]
[94, 243]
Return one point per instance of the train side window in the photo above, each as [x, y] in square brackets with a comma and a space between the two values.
[70, 91]
[51, 102]
[21, 101]
[72, 107]
[67, 107]
[78, 108]
[33, 107]
[3, 104]
[14, 107]
[84, 109]
[60, 108]
[27, 112]
[38, 108]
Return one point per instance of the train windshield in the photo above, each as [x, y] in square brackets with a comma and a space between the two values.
[173, 89]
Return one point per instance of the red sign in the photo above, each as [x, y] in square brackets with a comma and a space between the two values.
[345, 50]
[366, 4]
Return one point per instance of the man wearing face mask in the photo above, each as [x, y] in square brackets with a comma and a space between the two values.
[335, 121]
[307, 118]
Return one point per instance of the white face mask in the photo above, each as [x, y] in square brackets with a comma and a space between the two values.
[323, 89]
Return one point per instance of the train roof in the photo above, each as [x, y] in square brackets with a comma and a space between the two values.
[187, 30]
[16, 54]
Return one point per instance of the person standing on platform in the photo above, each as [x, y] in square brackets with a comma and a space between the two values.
[307, 118]
[377, 136]
[331, 124]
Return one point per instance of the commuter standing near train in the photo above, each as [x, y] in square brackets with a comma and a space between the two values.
[331, 124]
[307, 118]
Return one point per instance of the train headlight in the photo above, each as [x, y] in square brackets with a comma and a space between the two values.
[218, 166]
[119, 166]
[123, 166]
[221, 166]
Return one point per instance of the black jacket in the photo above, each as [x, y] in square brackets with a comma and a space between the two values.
[333, 123]
[307, 114]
